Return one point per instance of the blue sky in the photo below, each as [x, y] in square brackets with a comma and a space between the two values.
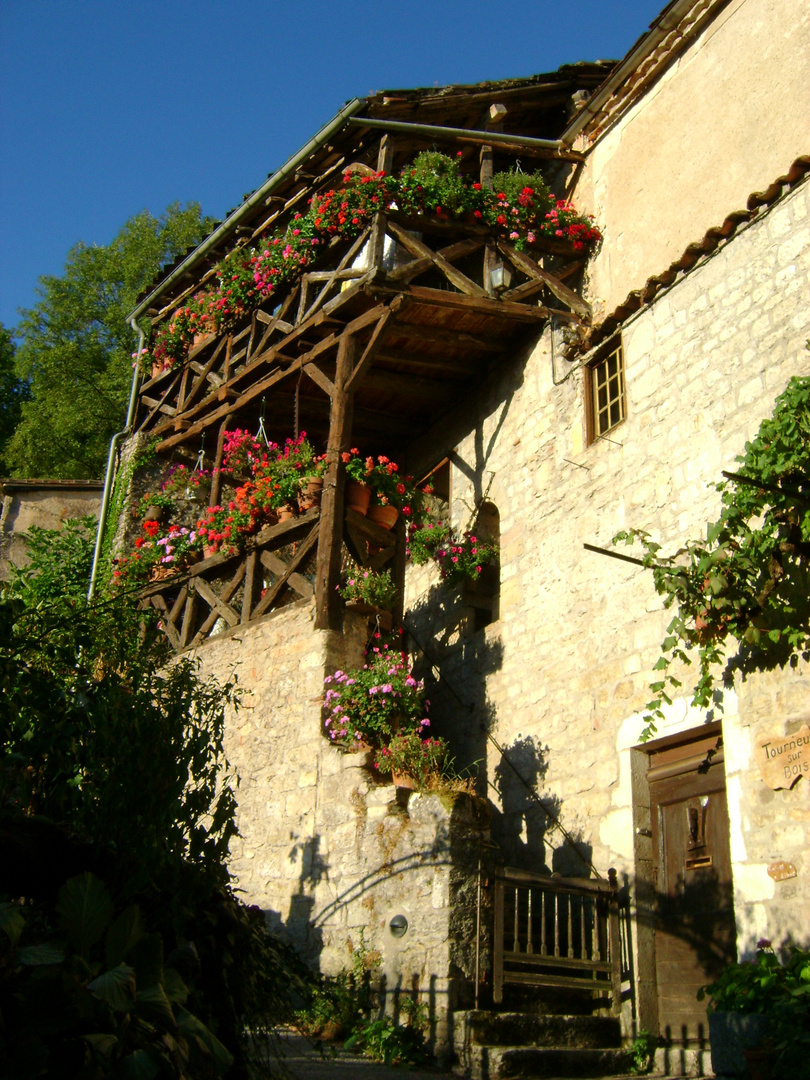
[108, 107]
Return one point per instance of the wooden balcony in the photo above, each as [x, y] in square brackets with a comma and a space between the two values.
[375, 347]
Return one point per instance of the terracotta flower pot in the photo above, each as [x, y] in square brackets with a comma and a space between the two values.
[210, 550]
[358, 496]
[160, 573]
[157, 369]
[403, 780]
[310, 497]
[386, 516]
[285, 513]
[153, 513]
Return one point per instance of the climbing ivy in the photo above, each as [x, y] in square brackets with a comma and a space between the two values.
[742, 595]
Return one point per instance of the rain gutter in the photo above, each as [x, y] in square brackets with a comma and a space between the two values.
[666, 22]
[452, 133]
[109, 475]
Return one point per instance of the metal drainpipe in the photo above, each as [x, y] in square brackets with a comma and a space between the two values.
[110, 474]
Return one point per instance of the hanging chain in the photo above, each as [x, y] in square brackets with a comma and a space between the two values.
[199, 465]
[260, 432]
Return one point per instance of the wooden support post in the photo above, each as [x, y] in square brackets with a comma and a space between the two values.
[216, 478]
[494, 122]
[330, 539]
[615, 944]
[399, 572]
[376, 242]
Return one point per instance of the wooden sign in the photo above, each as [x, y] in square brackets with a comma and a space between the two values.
[782, 759]
[781, 870]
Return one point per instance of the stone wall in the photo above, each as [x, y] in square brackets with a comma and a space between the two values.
[330, 854]
[562, 678]
[45, 503]
[727, 117]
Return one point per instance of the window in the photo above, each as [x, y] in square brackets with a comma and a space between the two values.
[607, 401]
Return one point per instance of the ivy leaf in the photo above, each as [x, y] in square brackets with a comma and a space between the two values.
[116, 988]
[84, 908]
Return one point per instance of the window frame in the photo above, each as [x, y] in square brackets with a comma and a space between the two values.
[600, 361]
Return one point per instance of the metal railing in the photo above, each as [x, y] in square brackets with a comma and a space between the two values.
[557, 932]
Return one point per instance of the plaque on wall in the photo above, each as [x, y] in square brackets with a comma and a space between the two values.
[781, 870]
[782, 759]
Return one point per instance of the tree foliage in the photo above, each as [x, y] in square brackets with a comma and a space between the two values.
[742, 595]
[13, 392]
[115, 789]
[76, 350]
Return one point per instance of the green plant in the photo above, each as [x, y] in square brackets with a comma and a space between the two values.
[375, 702]
[369, 587]
[87, 992]
[162, 499]
[463, 559]
[383, 1040]
[780, 991]
[749, 580]
[641, 1054]
[112, 758]
[427, 761]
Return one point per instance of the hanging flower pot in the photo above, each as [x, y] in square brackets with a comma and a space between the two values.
[358, 496]
[286, 512]
[386, 516]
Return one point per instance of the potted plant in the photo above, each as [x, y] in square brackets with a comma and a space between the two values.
[761, 1004]
[155, 505]
[368, 706]
[368, 590]
[414, 762]
[180, 482]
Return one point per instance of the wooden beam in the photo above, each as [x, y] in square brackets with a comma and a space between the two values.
[159, 603]
[270, 596]
[320, 379]
[331, 524]
[530, 268]
[342, 266]
[439, 336]
[377, 338]
[376, 243]
[278, 567]
[420, 250]
[219, 604]
[452, 252]
[250, 586]
[216, 472]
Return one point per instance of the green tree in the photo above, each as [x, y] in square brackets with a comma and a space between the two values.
[742, 595]
[13, 392]
[76, 351]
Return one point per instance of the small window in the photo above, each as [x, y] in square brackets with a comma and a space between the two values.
[607, 399]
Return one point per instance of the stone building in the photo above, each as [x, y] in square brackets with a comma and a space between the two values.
[45, 503]
[693, 314]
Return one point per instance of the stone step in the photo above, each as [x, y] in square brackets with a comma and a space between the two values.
[537, 1063]
[485, 1028]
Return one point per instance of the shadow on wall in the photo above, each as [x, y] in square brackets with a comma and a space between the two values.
[455, 662]
[348, 915]
[527, 830]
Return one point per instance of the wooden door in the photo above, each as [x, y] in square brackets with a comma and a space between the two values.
[695, 932]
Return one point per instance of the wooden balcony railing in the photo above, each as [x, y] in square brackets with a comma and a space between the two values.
[557, 932]
[277, 568]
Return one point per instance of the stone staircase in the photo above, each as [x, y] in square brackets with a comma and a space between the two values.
[512, 1045]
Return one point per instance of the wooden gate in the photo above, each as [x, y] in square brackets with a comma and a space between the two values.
[558, 932]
